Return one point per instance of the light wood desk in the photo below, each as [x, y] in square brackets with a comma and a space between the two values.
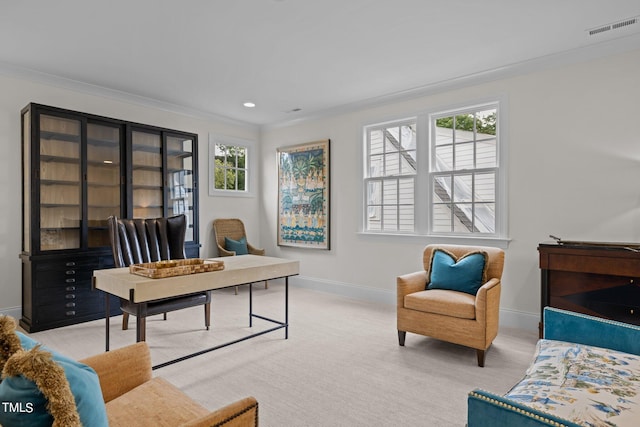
[238, 270]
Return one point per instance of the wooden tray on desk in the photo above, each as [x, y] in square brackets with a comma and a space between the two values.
[178, 267]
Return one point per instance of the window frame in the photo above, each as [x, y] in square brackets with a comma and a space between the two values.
[384, 178]
[250, 166]
[423, 187]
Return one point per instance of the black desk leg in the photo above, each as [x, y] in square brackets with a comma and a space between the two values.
[286, 307]
[250, 305]
[107, 316]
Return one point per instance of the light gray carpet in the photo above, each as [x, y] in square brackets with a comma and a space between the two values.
[341, 365]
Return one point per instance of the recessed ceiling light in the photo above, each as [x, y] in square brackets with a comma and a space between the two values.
[249, 104]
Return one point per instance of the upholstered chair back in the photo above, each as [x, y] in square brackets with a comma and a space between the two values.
[495, 261]
[135, 241]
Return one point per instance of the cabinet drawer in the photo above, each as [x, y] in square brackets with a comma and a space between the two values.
[56, 312]
[68, 264]
[63, 278]
[77, 294]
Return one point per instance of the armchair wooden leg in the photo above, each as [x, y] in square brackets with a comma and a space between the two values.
[165, 316]
[266, 284]
[125, 321]
[481, 354]
[207, 315]
[401, 336]
[236, 290]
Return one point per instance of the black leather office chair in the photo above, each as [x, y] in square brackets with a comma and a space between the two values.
[135, 241]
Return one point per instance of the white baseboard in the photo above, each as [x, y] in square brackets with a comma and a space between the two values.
[15, 312]
[508, 318]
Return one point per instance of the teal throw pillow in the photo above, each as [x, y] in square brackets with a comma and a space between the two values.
[466, 274]
[237, 246]
[25, 405]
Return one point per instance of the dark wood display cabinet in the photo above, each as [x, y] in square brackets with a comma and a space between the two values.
[598, 279]
[78, 169]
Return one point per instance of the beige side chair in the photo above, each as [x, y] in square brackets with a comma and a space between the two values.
[232, 228]
[447, 315]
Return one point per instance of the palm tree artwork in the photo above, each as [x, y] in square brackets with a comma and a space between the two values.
[303, 196]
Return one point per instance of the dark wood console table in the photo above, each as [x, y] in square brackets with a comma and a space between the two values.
[600, 279]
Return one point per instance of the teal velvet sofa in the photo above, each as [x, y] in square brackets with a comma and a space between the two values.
[599, 370]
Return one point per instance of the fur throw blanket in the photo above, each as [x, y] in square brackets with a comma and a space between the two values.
[38, 366]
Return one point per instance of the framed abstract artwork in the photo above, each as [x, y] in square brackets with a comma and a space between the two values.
[303, 195]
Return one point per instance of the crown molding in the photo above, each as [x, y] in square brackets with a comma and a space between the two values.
[11, 70]
[593, 51]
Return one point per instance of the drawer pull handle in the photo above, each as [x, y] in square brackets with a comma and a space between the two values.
[70, 304]
[70, 280]
[70, 288]
[70, 272]
[71, 313]
[70, 264]
[70, 296]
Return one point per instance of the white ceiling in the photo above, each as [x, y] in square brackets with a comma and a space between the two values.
[207, 57]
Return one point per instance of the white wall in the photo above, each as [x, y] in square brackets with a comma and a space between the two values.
[17, 93]
[574, 161]
[573, 170]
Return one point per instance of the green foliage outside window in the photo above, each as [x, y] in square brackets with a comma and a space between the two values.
[484, 124]
[230, 170]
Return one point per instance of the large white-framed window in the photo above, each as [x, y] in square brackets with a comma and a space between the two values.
[440, 173]
[464, 171]
[231, 166]
[390, 176]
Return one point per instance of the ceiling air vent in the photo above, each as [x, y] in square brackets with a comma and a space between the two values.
[614, 26]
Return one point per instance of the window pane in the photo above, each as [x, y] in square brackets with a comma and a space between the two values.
[408, 163]
[373, 218]
[390, 195]
[241, 180]
[374, 193]
[241, 157]
[442, 189]
[407, 137]
[375, 142]
[376, 166]
[464, 156]
[406, 191]
[486, 121]
[392, 164]
[486, 153]
[443, 131]
[406, 222]
[390, 218]
[443, 158]
[464, 122]
[485, 187]
[441, 218]
[462, 188]
[392, 139]
[485, 217]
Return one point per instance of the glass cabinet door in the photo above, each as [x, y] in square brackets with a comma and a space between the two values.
[147, 185]
[103, 180]
[180, 180]
[60, 183]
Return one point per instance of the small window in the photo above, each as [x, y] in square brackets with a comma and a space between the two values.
[229, 166]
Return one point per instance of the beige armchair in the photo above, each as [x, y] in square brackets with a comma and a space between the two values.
[134, 398]
[232, 228]
[456, 317]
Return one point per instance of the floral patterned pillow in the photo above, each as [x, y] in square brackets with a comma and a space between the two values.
[588, 385]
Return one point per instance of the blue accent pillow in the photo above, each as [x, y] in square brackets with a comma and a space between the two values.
[26, 405]
[237, 246]
[466, 274]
